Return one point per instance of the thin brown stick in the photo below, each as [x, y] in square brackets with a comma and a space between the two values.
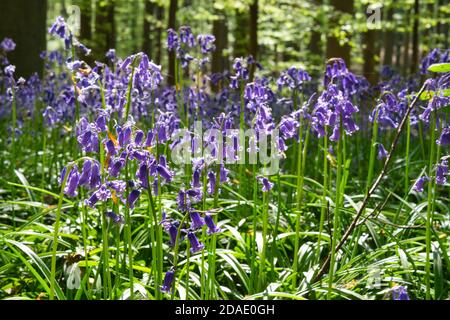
[324, 268]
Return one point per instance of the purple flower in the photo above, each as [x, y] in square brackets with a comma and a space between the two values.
[9, 70]
[442, 172]
[212, 182]
[93, 199]
[72, 183]
[168, 280]
[212, 228]
[95, 179]
[444, 139]
[399, 293]
[418, 186]
[114, 170]
[206, 42]
[195, 183]
[172, 40]
[116, 218]
[266, 184]
[85, 173]
[7, 45]
[132, 197]
[165, 173]
[111, 148]
[142, 175]
[172, 230]
[195, 244]
[138, 137]
[382, 153]
[197, 221]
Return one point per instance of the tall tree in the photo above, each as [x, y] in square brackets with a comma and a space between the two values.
[334, 47]
[85, 35]
[173, 7]
[147, 27]
[158, 33]
[25, 22]
[415, 38]
[253, 34]
[105, 28]
[220, 31]
[369, 53]
[240, 45]
[389, 38]
[315, 43]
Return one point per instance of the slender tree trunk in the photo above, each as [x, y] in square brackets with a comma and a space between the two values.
[315, 43]
[105, 28]
[173, 7]
[334, 48]
[253, 32]
[415, 38]
[158, 34]
[147, 28]
[389, 40]
[240, 45]
[24, 21]
[369, 53]
[85, 36]
[220, 31]
[406, 40]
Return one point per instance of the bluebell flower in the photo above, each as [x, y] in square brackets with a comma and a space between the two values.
[212, 228]
[399, 293]
[132, 197]
[266, 184]
[116, 218]
[197, 221]
[382, 153]
[418, 186]
[195, 244]
[442, 172]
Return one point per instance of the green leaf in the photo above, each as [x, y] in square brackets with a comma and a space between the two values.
[427, 95]
[439, 67]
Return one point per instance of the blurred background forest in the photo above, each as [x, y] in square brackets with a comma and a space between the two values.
[279, 33]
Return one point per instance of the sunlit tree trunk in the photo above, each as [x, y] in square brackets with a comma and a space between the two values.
[253, 34]
[105, 28]
[172, 24]
[147, 28]
[415, 38]
[25, 22]
[334, 47]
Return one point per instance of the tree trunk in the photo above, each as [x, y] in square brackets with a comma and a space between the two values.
[172, 25]
[253, 33]
[369, 53]
[389, 40]
[415, 38]
[240, 46]
[105, 28]
[158, 35]
[147, 28]
[406, 35]
[334, 48]
[85, 36]
[24, 21]
[220, 31]
[315, 43]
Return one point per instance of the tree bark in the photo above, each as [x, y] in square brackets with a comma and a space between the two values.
[25, 22]
[220, 31]
[389, 40]
[158, 34]
[240, 45]
[369, 54]
[147, 28]
[105, 28]
[253, 33]
[315, 43]
[415, 38]
[334, 48]
[173, 7]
